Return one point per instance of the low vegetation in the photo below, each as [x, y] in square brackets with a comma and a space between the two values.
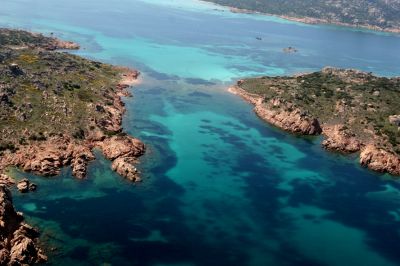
[45, 93]
[368, 106]
[382, 14]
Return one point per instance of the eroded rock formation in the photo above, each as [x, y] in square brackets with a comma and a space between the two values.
[339, 138]
[18, 240]
[281, 114]
[123, 151]
[380, 160]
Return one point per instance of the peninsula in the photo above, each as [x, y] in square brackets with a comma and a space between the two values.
[382, 15]
[355, 111]
[55, 108]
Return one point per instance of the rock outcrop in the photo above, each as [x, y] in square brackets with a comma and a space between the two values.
[25, 186]
[338, 138]
[6, 180]
[46, 158]
[380, 160]
[123, 151]
[125, 166]
[395, 120]
[281, 114]
[67, 45]
[18, 240]
[294, 121]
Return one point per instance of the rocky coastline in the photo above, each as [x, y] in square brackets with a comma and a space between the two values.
[18, 240]
[58, 120]
[45, 153]
[374, 151]
[281, 115]
[47, 157]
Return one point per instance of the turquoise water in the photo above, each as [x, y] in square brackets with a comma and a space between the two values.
[220, 186]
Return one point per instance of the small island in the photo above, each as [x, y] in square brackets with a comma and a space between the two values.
[290, 50]
[55, 108]
[355, 111]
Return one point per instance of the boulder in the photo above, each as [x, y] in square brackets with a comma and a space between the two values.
[23, 185]
[395, 120]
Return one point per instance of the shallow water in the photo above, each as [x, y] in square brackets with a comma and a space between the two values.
[220, 186]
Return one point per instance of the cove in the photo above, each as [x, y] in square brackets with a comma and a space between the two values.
[220, 186]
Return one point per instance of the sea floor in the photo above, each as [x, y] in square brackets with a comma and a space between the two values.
[220, 187]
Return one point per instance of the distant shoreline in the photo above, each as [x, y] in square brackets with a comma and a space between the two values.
[309, 20]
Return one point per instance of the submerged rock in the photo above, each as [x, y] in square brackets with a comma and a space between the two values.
[32, 187]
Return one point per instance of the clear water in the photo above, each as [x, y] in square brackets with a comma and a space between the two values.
[220, 186]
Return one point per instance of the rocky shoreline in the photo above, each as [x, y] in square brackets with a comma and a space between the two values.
[337, 137]
[47, 157]
[66, 132]
[45, 154]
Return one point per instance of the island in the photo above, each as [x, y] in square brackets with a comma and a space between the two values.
[55, 109]
[382, 15]
[355, 111]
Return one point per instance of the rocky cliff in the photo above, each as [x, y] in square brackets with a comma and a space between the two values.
[18, 240]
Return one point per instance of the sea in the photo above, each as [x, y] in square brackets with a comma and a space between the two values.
[220, 186]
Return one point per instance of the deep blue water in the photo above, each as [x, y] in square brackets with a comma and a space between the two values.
[220, 186]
